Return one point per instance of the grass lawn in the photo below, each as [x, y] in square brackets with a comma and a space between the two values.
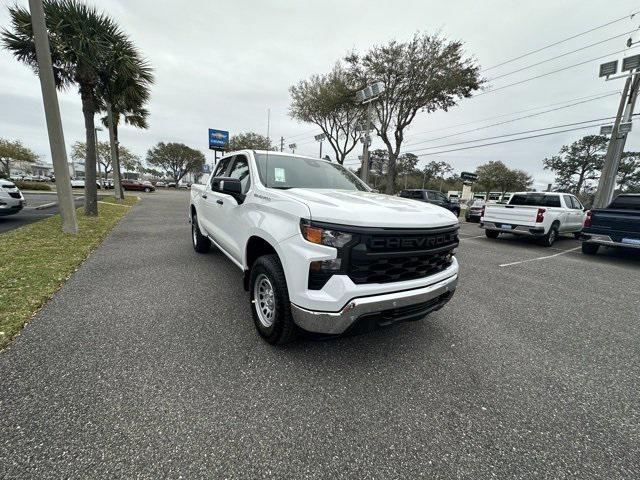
[35, 260]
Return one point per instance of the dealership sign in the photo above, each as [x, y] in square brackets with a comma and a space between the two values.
[218, 139]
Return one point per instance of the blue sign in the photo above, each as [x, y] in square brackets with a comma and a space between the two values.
[218, 139]
[206, 168]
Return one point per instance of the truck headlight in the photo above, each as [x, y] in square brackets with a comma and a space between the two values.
[323, 236]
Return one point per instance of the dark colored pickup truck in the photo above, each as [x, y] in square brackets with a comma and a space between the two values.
[618, 225]
[432, 196]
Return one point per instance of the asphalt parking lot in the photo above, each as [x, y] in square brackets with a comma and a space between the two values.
[146, 365]
[39, 206]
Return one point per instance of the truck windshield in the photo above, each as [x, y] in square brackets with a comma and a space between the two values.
[283, 171]
[626, 202]
[535, 200]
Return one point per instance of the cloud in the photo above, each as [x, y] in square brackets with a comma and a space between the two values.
[224, 64]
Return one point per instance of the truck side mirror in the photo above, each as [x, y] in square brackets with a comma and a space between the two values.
[228, 185]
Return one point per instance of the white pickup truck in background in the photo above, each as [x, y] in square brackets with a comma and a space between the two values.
[543, 215]
[319, 250]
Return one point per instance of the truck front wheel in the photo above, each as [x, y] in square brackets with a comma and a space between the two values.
[201, 244]
[270, 303]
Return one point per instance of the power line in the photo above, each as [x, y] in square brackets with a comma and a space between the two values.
[561, 41]
[511, 140]
[514, 134]
[510, 121]
[551, 72]
[561, 55]
[512, 113]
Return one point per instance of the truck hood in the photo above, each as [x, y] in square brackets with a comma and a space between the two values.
[368, 209]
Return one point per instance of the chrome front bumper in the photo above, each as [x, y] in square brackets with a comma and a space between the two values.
[336, 323]
[606, 241]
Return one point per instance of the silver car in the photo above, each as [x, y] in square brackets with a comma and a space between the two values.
[11, 199]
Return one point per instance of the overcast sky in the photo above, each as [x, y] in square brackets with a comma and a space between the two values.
[223, 64]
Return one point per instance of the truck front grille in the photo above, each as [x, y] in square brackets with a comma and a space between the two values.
[401, 256]
[377, 269]
[379, 255]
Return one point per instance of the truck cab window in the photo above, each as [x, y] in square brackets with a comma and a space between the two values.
[240, 170]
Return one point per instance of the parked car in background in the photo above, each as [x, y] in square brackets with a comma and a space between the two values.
[617, 226]
[540, 215]
[432, 196]
[161, 184]
[79, 183]
[11, 199]
[475, 207]
[135, 185]
[171, 185]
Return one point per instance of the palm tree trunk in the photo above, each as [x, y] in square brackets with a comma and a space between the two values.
[115, 154]
[90, 188]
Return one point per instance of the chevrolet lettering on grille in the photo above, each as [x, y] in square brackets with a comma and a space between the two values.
[412, 242]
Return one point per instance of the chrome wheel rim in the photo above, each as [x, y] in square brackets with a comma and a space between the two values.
[264, 300]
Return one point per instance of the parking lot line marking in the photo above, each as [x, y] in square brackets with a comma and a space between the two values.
[539, 258]
[469, 238]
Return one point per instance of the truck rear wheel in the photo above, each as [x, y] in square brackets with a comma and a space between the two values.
[270, 304]
[549, 239]
[491, 233]
[201, 244]
[590, 248]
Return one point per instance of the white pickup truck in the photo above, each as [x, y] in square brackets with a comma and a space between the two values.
[318, 249]
[543, 215]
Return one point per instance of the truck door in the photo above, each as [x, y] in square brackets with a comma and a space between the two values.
[210, 212]
[232, 221]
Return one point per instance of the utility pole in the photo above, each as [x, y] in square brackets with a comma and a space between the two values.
[281, 143]
[607, 182]
[52, 115]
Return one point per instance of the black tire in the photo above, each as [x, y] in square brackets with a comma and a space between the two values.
[201, 244]
[491, 233]
[590, 248]
[282, 328]
[147, 189]
[577, 235]
[549, 239]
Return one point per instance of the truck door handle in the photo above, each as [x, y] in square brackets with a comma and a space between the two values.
[204, 195]
[219, 202]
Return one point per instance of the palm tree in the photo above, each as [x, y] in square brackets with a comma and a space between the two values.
[124, 89]
[81, 39]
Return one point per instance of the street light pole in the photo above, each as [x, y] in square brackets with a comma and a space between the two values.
[367, 96]
[54, 122]
[320, 138]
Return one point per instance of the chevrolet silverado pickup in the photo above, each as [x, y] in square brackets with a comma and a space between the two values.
[11, 199]
[618, 225]
[543, 215]
[320, 251]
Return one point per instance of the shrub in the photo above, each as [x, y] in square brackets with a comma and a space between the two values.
[32, 185]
